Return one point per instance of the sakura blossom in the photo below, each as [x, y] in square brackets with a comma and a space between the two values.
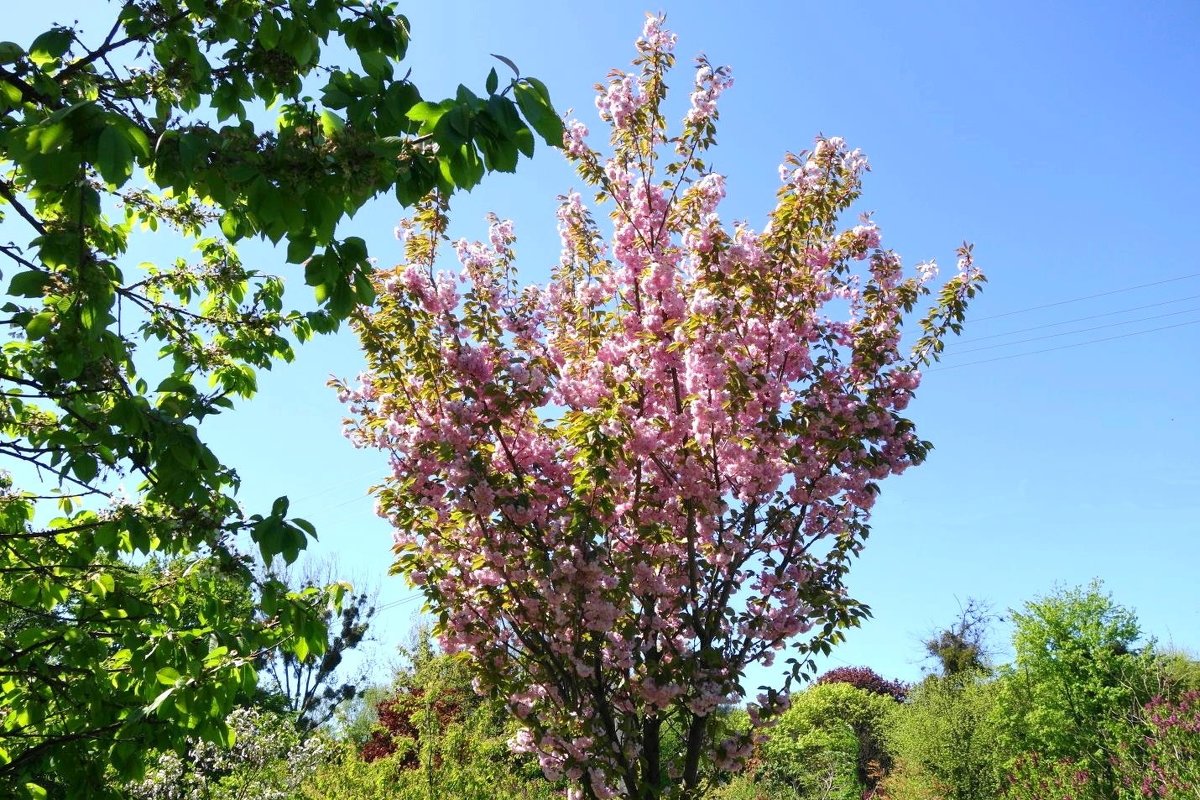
[621, 490]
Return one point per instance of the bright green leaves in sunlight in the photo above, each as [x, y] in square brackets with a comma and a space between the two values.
[129, 616]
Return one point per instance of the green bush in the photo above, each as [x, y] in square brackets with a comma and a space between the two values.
[1077, 681]
[943, 740]
[270, 759]
[829, 744]
[433, 737]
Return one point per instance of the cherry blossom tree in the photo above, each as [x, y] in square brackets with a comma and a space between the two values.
[620, 491]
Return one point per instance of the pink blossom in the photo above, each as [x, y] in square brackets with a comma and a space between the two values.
[654, 37]
[622, 490]
[575, 139]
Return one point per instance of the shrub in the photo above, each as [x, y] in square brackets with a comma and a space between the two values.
[828, 744]
[1160, 755]
[269, 760]
[868, 680]
[1078, 680]
[943, 741]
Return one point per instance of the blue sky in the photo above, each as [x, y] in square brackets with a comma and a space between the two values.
[1060, 138]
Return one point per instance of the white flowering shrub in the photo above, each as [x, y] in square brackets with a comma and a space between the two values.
[269, 760]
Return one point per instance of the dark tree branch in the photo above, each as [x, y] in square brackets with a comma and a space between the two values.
[28, 93]
[7, 193]
[109, 45]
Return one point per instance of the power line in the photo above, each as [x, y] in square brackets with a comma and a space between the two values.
[1072, 333]
[336, 486]
[396, 603]
[1087, 297]
[972, 339]
[355, 499]
[1065, 346]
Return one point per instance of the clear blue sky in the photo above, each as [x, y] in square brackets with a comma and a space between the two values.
[1060, 138]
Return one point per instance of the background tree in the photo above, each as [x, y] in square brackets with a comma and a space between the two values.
[154, 124]
[1159, 755]
[943, 740]
[269, 759]
[434, 737]
[1078, 678]
[1180, 671]
[621, 491]
[962, 649]
[866, 679]
[829, 744]
[317, 686]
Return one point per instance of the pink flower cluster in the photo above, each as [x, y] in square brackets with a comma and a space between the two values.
[710, 83]
[655, 39]
[621, 490]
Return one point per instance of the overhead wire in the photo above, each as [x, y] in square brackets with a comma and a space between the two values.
[395, 603]
[1064, 346]
[1087, 297]
[1081, 298]
[972, 339]
[1074, 332]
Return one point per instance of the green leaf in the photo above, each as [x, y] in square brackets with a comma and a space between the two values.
[104, 584]
[114, 157]
[331, 123]
[508, 63]
[268, 31]
[39, 326]
[534, 100]
[462, 167]
[426, 113]
[493, 81]
[137, 139]
[158, 701]
[70, 364]
[28, 284]
[84, 467]
[305, 526]
[300, 648]
[50, 46]
[299, 249]
[10, 94]
[230, 225]
[48, 138]
[269, 535]
[168, 676]
[453, 129]
[11, 52]
[376, 64]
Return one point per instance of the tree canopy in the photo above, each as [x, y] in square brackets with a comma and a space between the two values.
[211, 122]
[623, 489]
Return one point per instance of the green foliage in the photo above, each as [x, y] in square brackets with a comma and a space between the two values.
[356, 719]
[1083, 713]
[434, 738]
[962, 647]
[269, 758]
[743, 787]
[1078, 678]
[1159, 755]
[1180, 672]
[314, 688]
[828, 744]
[109, 368]
[470, 776]
[943, 740]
